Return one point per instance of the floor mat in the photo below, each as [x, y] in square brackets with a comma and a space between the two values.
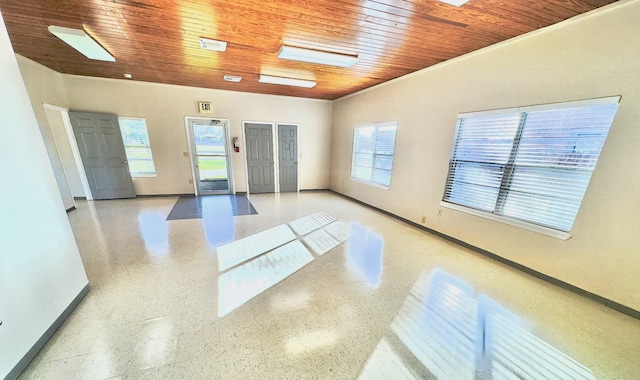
[189, 207]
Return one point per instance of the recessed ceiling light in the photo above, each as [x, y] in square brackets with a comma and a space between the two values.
[455, 3]
[232, 78]
[128, 76]
[82, 42]
[214, 45]
[317, 56]
[287, 81]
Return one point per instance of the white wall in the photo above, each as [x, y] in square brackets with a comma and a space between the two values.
[45, 86]
[165, 106]
[594, 55]
[40, 267]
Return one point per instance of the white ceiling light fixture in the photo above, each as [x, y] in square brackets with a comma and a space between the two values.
[285, 81]
[232, 78]
[82, 42]
[455, 3]
[317, 56]
[213, 45]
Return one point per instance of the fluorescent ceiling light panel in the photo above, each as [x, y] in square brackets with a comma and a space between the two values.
[214, 45]
[317, 56]
[455, 3]
[286, 81]
[82, 42]
[232, 78]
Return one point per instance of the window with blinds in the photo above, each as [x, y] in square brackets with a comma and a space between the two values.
[530, 164]
[137, 146]
[373, 150]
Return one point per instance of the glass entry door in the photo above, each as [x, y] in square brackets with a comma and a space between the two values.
[211, 156]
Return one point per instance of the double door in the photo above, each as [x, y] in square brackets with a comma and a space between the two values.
[261, 160]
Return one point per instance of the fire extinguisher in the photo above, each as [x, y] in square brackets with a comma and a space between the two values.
[236, 144]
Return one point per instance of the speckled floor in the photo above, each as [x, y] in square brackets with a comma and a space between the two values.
[368, 297]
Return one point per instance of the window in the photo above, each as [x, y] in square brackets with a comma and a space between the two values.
[136, 145]
[373, 149]
[531, 164]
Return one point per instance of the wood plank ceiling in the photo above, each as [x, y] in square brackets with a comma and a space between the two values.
[158, 40]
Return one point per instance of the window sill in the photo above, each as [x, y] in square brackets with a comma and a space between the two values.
[383, 187]
[512, 222]
[143, 175]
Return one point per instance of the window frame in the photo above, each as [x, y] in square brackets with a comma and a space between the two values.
[375, 153]
[523, 111]
[148, 147]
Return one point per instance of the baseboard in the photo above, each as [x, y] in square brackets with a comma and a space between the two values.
[164, 195]
[71, 208]
[80, 198]
[564, 285]
[313, 190]
[31, 354]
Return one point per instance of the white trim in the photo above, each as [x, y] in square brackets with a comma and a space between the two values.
[57, 145]
[501, 111]
[571, 104]
[512, 222]
[64, 112]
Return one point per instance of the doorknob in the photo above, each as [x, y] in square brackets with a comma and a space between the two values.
[125, 162]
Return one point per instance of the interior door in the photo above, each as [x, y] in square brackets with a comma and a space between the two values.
[102, 153]
[288, 157]
[211, 156]
[260, 159]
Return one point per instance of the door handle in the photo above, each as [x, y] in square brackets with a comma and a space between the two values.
[125, 162]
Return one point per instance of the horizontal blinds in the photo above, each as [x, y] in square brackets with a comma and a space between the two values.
[557, 152]
[482, 148]
[373, 150]
[533, 166]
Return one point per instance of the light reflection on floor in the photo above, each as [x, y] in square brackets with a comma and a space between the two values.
[456, 336]
[154, 231]
[364, 253]
[217, 220]
[243, 283]
[239, 251]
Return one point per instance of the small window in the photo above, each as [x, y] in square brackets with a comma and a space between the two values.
[531, 164]
[137, 146]
[373, 150]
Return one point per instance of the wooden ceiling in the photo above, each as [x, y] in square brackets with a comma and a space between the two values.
[158, 40]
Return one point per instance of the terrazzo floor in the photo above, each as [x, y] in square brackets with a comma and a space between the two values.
[349, 293]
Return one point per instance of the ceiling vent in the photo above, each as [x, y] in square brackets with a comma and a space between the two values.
[232, 78]
[214, 45]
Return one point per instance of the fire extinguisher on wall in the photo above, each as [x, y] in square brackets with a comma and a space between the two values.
[236, 144]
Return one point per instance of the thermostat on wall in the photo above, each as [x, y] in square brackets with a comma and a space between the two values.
[205, 107]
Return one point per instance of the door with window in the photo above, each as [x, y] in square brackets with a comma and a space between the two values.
[210, 156]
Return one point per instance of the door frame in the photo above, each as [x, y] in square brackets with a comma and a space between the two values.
[64, 112]
[192, 151]
[278, 124]
[274, 144]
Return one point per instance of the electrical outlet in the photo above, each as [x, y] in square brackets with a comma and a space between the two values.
[439, 212]
[424, 219]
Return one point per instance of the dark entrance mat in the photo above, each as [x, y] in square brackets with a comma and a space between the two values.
[189, 207]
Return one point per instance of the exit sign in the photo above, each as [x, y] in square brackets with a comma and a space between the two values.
[205, 107]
